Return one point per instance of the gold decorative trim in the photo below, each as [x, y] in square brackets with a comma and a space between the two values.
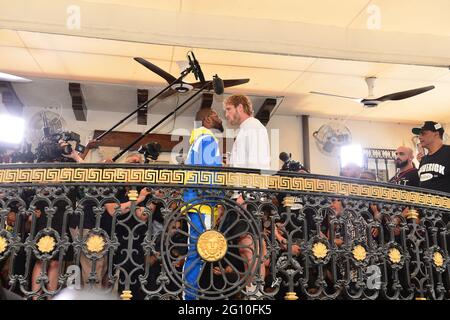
[3, 244]
[438, 259]
[291, 296]
[212, 246]
[359, 253]
[217, 178]
[126, 295]
[421, 298]
[95, 243]
[46, 244]
[319, 250]
[394, 255]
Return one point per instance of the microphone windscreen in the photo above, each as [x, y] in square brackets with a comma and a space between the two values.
[218, 85]
[284, 156]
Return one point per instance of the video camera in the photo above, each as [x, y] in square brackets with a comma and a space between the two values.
[150, 150]
[289, 164]
[50, 149]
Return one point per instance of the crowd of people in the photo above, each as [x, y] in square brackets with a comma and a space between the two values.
[251, 149]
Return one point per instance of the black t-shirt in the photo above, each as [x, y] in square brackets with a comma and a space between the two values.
[434, 170]
[409, 177]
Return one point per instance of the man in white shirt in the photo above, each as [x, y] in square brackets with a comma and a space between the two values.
[251, 148]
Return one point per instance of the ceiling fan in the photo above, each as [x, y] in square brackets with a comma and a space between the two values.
[182, 86]
[371, 101]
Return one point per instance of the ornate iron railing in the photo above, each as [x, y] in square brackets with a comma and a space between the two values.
[241, 234]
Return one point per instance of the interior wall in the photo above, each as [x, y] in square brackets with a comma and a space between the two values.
[102, 120]
[284, 131]
[369, 134]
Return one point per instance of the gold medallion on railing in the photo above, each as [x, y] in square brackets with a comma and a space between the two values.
[359, 253]
[319, 250]
[394, 255]
[412, 214]
[438, 259]
[95, 243]
[133, 195]
[212, 246]
[3, 244]
[46, 244]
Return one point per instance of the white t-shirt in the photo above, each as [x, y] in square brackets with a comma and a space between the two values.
[251, 149]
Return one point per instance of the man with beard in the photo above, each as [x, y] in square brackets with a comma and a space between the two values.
[251, 149]
[204, 151]
[407, 174]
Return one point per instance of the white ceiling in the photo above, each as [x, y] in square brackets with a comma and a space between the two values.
[94, 61]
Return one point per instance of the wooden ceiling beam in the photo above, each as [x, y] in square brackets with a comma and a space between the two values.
[142, 96]
[78, 101]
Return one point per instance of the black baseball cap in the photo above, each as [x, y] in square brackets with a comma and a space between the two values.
[430, 126]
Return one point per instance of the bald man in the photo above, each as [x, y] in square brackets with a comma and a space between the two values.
[351, 170]
[407, 174]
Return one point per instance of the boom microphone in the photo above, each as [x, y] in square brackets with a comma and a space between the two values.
[218, 85]
[284, 156]
[196, 67]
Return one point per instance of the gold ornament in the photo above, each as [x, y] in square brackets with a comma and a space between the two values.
[126, 295]
[438, 259]
[292, 296]
[288, 201]
[3, 244]
[211, 246]
[46, 244]
[359, 253]
[395, 255]
[319, 250]
[133, 195]
[412, 214]
[95, 243]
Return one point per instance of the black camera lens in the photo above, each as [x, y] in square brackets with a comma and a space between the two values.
[66, 149]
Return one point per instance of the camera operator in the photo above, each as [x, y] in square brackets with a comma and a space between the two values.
[54, 149]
